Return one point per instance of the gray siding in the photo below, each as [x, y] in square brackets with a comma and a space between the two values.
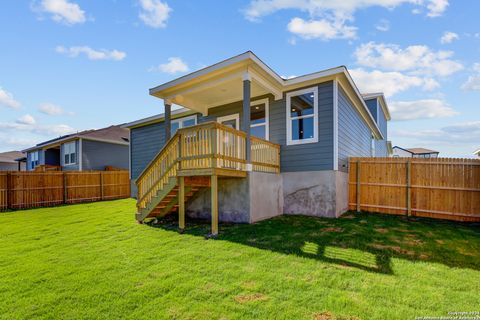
[354, 136]
[145, 143]
[73, 166]
[372, 105]
[381, 149]
[96, 155]
[310, 156]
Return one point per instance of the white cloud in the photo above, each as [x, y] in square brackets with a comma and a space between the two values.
[383, 25]
[328, 18]
[324, 29]
[456, 134]
[436, 8]
[6, 99]
[154, 13]
[448, 37]
[417, 59]
[92, 54]
[52, 109]
[389, 83]
[56, 129]
[15, 142]
[473, 81]
[174, 65]
[420, 109]
[26, 119]
[63, 11]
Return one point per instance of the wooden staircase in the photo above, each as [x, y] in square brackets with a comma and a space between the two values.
[166, 199]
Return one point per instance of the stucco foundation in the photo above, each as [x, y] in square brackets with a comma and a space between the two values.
[315, 193]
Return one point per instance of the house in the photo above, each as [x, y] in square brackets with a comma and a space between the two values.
[85, 150]
[414, 153]
[248, 145]
[9, 161]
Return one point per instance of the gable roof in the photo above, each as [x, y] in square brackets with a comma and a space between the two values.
[113, 134]
[477, 152]
[10, 156]
[383, 102]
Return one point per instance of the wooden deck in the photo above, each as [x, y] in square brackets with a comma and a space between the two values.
[208, 150]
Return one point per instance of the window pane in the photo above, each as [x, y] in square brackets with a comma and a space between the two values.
[230, 123]
[257, 114]
[188, 123]
[302, 128]
[174, 127]
[258, 132]
[72, 158]
[67, 158]
[301, 105]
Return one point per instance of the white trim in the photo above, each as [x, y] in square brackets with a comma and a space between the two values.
[267, 116]
[235, 116]
[80, 154]
[183, 119]
[335, 124]
[289, 95]
[63, 155]
[247, 76]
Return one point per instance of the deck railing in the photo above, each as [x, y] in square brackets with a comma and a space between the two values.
[209, 145]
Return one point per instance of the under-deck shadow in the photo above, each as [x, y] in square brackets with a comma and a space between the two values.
[362, 241]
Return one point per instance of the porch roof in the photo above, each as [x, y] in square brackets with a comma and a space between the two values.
[221, 83]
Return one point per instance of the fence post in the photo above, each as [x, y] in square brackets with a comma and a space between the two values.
[101, 185]
[358, 186]
[65, 191]
[8, 191]
[409, 187]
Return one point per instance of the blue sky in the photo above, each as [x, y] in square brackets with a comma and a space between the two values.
[68, 65]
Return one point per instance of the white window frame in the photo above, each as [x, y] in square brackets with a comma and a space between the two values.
[289, 95]
[75, 152]
[235, 116]
[181, 120]
[267, 121]
[34, 158]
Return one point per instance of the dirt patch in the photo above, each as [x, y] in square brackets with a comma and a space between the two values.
[381, 230]
[245, 298]
[332, 229]
[439, 241]
[323, 316]
[396, 249]
[348, 216]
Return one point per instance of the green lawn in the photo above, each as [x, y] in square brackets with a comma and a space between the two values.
[93, 261]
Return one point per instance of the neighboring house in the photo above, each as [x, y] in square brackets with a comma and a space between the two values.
[10, 161]
[318, 120]
[86, 150]
[399, 152]
[477, 153]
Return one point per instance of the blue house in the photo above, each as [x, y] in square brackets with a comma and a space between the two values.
[247, 144]
[85, 150]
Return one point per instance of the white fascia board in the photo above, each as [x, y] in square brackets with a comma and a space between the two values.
[157, 118]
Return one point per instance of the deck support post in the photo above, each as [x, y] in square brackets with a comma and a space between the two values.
[246, 117]
[214, 204]
[181, 203]
[168, 113]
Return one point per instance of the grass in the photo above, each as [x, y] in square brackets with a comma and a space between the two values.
[93, 261]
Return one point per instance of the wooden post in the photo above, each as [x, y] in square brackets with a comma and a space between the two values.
[65, 191]
[101, 186]
[8, 191]
[409, 188]
[358, 186]
[214, 200]
[181, 203]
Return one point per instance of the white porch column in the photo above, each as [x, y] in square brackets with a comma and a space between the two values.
[168, 113]
[246, 115]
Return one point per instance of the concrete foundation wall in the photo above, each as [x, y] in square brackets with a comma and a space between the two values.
[315, 193]
[233, 201]
[266, 196]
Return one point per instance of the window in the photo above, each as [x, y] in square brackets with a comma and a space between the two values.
[259, 119]
[372, 147]
[70, 153]
[182, 123]
[302, 116]
[34, 159]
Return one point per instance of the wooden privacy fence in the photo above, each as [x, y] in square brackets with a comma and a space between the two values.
[19, 190]
[443, 188]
